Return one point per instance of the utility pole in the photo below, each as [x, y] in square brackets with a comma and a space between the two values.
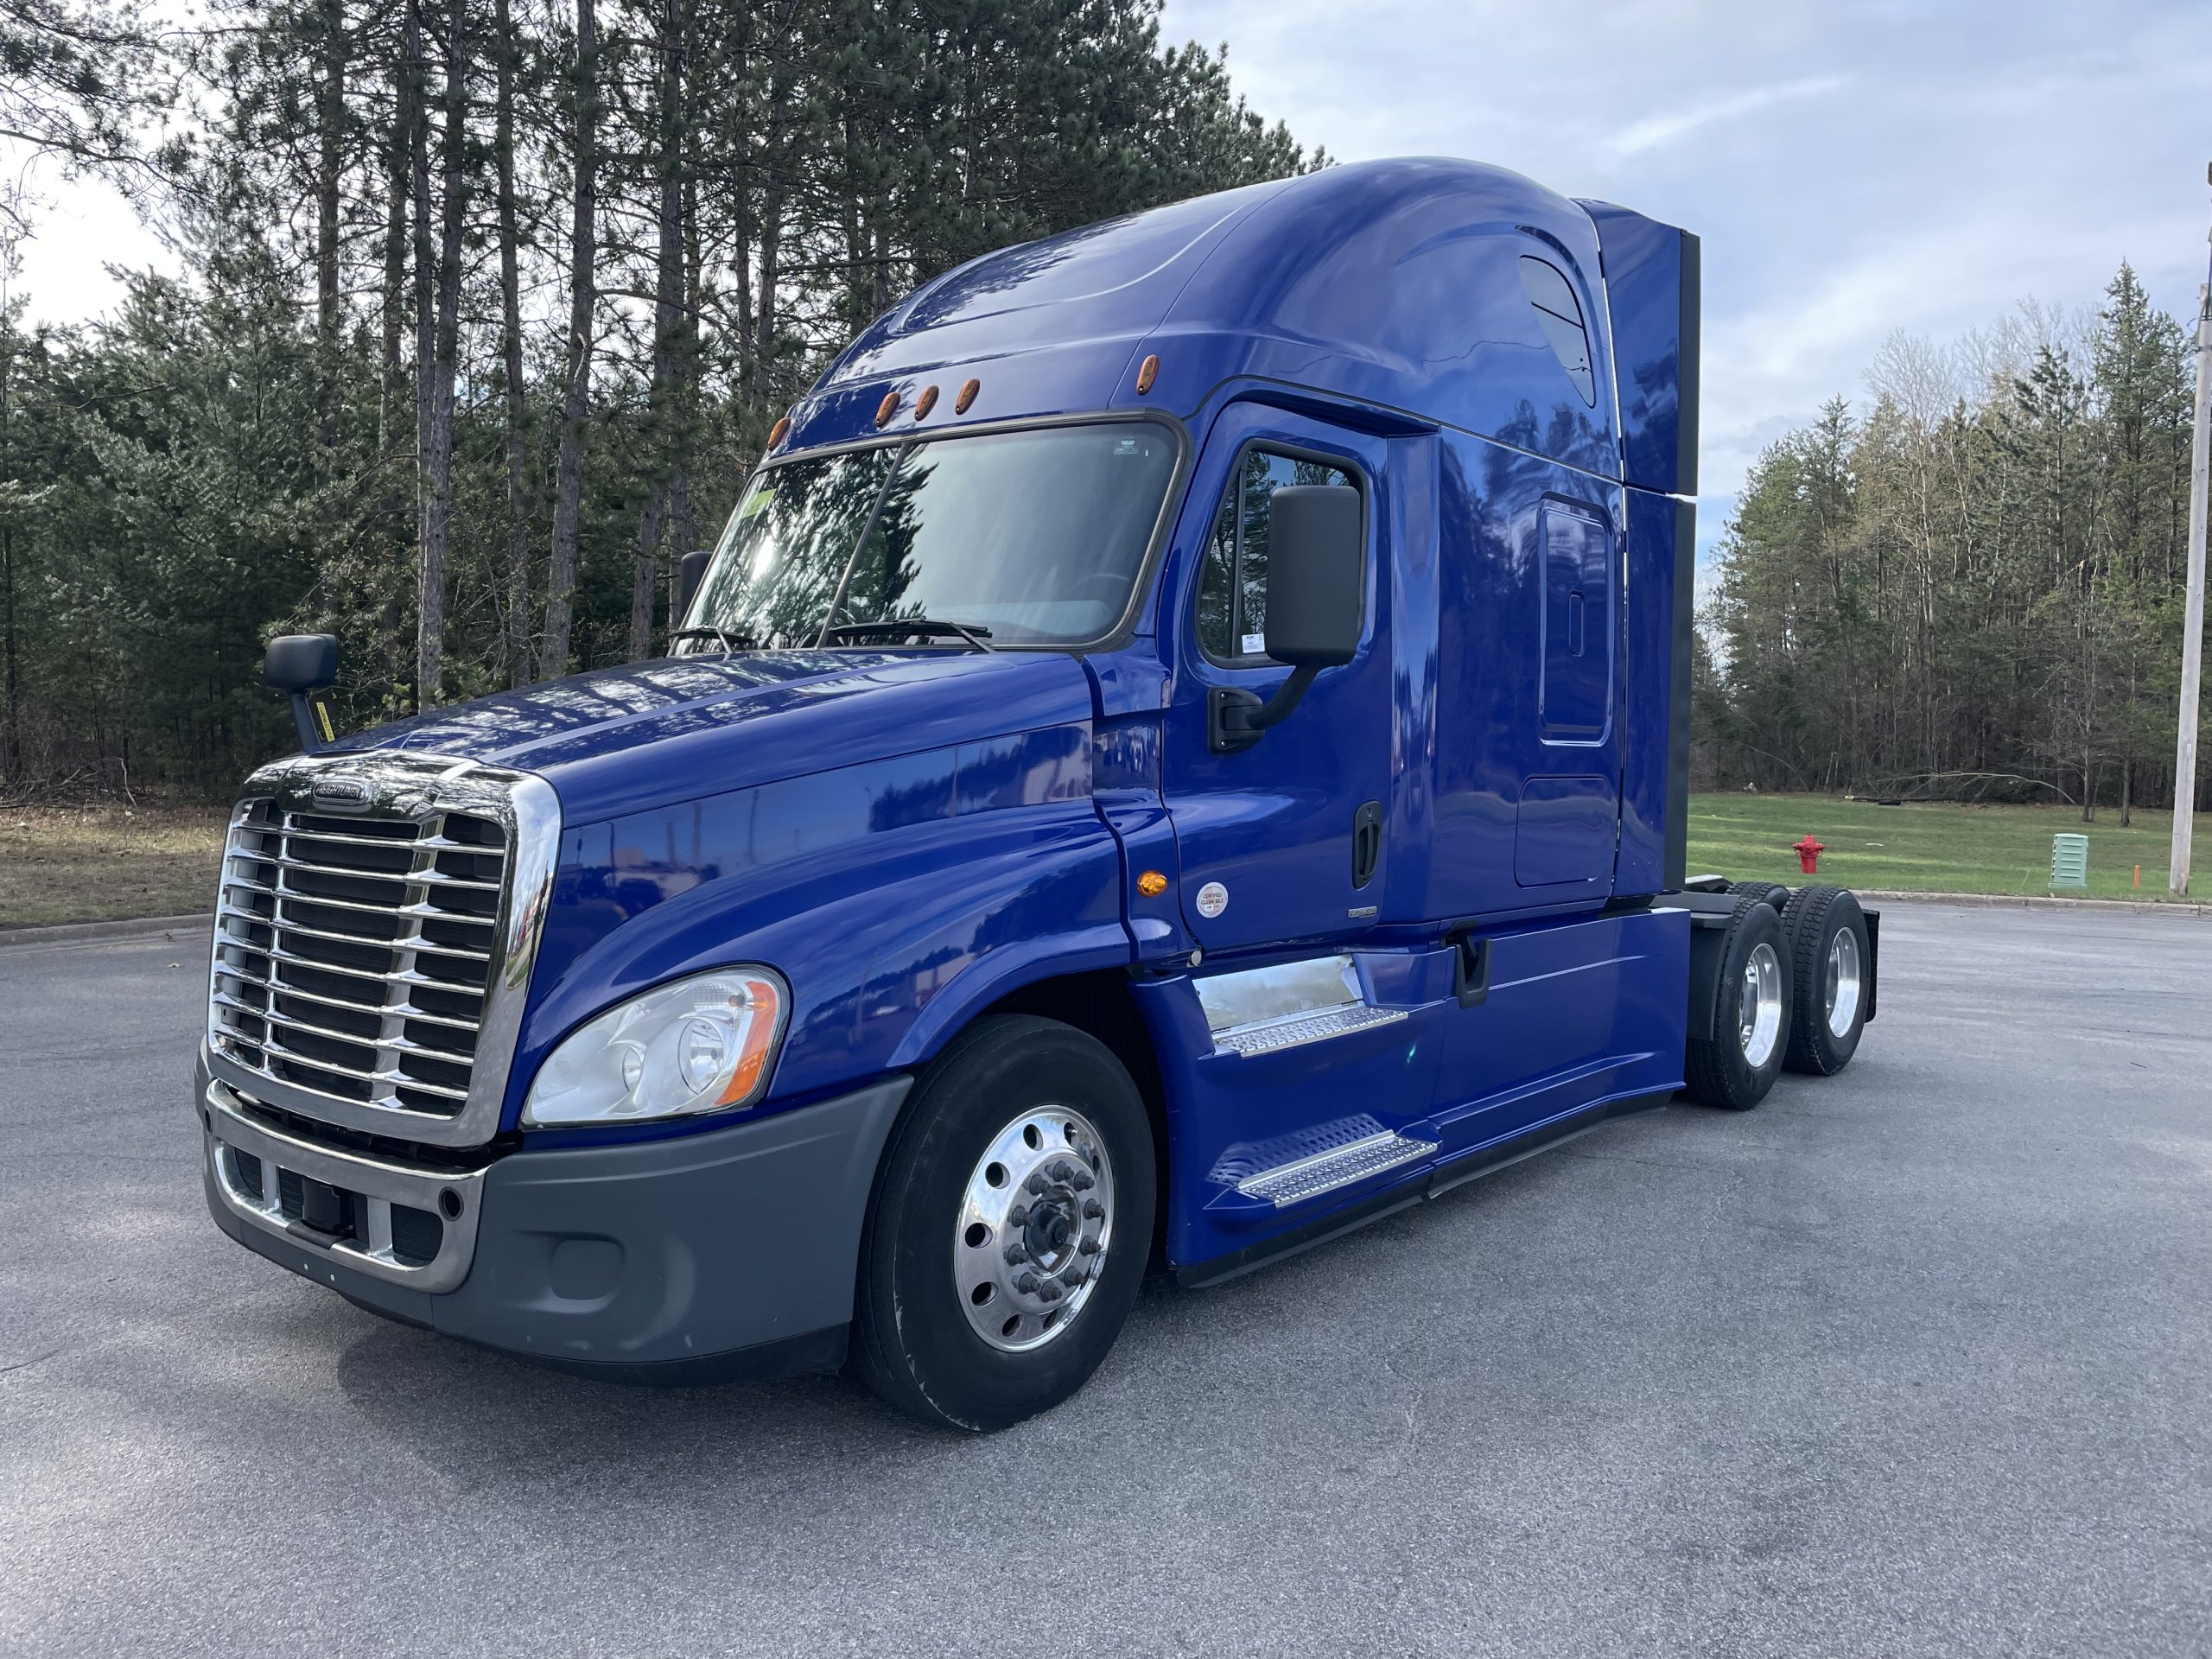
[2192, 628]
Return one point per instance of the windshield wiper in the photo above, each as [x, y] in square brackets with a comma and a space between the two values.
[911, 628]
[739, 642]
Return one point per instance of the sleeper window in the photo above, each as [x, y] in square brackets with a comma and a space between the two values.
[1560, 318]
[1233, 590]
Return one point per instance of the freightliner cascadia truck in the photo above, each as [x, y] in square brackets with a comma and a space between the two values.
[1181, 750]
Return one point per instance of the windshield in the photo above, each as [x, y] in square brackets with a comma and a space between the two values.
[1021, 537]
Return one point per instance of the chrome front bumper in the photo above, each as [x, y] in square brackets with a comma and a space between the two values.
[375, 1185]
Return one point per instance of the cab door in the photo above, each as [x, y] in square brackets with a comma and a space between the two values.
[1281, 842]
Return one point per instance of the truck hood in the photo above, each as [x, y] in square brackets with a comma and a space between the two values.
[627, 740]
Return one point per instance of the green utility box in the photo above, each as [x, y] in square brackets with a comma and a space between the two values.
[2069, 863]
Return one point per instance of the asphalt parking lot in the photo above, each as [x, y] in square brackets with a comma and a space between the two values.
[1917, 1359]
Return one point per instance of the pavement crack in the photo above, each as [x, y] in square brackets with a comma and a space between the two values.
[25, 1365]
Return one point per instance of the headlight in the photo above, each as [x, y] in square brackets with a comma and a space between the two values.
[704, 1044]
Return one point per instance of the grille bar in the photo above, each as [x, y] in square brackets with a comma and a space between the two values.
[420, 946]
[405, 1010]
[395, 1044]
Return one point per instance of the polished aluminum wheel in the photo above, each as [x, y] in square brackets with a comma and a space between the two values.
[1034, 1228]
[1760, 1013]
[1842, 991]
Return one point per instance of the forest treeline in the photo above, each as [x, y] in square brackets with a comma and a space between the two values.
[487, 306]
[1973, 587]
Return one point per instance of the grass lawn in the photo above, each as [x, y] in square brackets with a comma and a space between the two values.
[95, 863]
[1934, 847]
[99, 863]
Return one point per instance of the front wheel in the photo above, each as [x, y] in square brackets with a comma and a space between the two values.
[1010, 1227]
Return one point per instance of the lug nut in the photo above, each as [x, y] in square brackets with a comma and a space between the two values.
[1089, 1247]
[1027, 1284]
[1093, 1210]
[1063, 1171]
[1083, 1181]
[1018, 1217]
[1039, 1182]
[1051, 1291]
[1016, 1253]
[1076, 1274]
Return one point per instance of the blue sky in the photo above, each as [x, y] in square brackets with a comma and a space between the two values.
[1853, 168]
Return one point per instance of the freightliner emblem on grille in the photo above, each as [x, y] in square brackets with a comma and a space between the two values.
[340, 791]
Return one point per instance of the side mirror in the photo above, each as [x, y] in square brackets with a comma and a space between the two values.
[691, 571]
[1317, 589]
[303, 666]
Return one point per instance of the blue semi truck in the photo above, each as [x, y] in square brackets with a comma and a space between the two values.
[1181, 750]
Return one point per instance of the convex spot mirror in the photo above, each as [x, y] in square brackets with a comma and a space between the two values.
[1317, 595]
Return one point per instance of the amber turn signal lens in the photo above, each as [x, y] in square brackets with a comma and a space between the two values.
[966, 396]
[1152, 883]
[779, 431]
[925, 403]
[1147, 372]
[759, 1040]
[887, 408]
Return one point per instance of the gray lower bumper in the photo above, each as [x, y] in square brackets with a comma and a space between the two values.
[720, 1253]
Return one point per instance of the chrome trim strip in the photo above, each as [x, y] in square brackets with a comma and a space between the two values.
[421, 787]
[381, 1182]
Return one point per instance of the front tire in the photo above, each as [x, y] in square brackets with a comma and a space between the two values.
[1750, 1014]
[1009, 1229]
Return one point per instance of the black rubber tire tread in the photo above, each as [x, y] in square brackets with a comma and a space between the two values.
[1714, 1072]
[911, 1343]
[1809, 922]
[1772, 892]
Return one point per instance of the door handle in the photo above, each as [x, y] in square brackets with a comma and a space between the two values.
[1366, 843]
[1574, 624]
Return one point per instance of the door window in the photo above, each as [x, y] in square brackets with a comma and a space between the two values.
[1233, 588]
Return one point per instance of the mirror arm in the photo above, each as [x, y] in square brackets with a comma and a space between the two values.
[312, 740]
[1236, 718]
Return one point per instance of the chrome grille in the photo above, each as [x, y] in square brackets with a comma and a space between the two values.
[374, 933]
[356, 951]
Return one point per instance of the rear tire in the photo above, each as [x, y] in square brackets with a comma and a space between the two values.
[1010, 1227]
[1750, 1015]
[1829, 959]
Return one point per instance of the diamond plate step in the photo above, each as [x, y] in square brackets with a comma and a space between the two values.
[1309, 1177]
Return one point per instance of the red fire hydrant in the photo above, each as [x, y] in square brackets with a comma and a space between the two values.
[1809, 853]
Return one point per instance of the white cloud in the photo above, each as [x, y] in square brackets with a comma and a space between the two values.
[1656, 130]
[1852, 170]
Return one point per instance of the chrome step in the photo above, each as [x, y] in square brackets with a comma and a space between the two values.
[1291, 1030]
[1309, 1177]
[1261, 1010]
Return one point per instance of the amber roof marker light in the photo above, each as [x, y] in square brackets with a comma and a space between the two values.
[779, 431]
[1147, 372]
[966, 396]
[925, 403]
[886, 409]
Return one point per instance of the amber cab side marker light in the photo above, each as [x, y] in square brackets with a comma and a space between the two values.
[966, 396]
[779, 431]
[1152, 883]
[887, 408]
[1147, 372]
[925, 403]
